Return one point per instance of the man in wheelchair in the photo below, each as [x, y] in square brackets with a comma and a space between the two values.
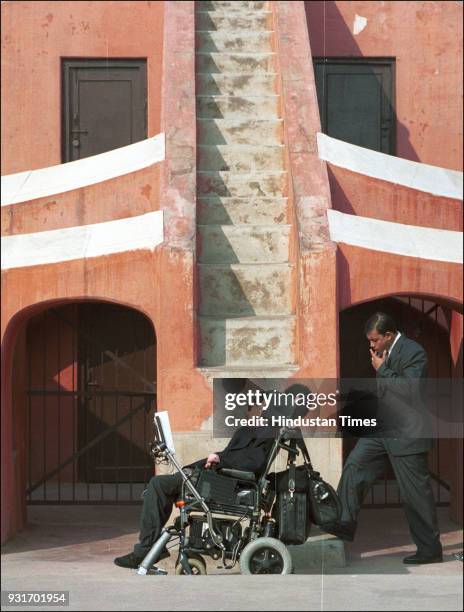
[247, 450]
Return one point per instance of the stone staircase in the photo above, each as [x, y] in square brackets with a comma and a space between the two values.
[246, 276]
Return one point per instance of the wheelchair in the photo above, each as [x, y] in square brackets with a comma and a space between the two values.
[225, 514]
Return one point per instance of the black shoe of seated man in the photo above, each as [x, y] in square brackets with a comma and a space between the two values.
[344, 531]
[418, 559]
[131, 561]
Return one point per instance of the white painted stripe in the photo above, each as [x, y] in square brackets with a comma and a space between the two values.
[396, 238]
[431, 179]
[130, 234]
[32, 184]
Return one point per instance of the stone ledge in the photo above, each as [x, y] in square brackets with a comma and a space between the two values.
[320, 551]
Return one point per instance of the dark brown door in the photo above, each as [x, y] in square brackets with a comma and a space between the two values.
[356, 101]
[104, 106]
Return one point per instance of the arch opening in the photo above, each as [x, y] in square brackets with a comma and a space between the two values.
[83, 392]
[437, 326]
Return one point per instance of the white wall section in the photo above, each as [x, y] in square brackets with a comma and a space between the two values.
[396, 238]
[431, 179]
[54, 246]
[359, 24]
[32, 184]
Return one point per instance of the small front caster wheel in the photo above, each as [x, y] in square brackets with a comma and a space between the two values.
[197, 565]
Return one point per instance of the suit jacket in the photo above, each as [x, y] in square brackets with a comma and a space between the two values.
[247, 450]
[401, 382]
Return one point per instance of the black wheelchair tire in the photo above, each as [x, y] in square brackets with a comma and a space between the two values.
[266, 556]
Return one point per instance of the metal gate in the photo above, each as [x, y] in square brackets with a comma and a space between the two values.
[90, 397]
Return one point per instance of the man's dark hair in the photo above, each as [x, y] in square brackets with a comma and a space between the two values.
[380, 322]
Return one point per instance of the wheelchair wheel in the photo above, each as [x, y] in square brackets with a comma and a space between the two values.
[266, 556]
[197, 565]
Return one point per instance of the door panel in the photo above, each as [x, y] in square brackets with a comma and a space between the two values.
[104, 106]
[356, 101]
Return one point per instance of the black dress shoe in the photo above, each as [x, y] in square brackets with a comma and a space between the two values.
[131, 561]
[418, 559]
[344, 531]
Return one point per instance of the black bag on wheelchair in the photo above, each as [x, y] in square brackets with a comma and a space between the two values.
[291, 506]
[294, 515]
[324, 504]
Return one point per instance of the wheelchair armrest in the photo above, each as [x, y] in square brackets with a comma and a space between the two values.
[248, 476]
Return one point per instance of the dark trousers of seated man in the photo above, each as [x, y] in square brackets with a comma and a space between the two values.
[366, 464]
[159, 499]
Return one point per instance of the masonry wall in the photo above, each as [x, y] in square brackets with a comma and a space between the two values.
[426, 40]
[36, 35]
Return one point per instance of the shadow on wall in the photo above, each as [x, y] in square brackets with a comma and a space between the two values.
[344, 114]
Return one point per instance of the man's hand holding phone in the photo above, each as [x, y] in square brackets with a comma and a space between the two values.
[377, 359]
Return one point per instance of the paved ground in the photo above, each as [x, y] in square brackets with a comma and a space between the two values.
[72, 548]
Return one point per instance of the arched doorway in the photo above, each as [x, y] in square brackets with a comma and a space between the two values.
[428, 322]
[87, 387]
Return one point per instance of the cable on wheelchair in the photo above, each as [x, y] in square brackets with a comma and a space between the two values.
[236, 547]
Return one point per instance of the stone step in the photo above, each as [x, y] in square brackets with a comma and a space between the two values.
[233, 5]
[240, 131]
[243, 244]
[240, 158]
[255, 374]
[227, 41]
[221, 107]
[235, 63]
[239, 290]
[233, 21]
[236, 85]
[272, 184]
[247, 341]
[232, 211]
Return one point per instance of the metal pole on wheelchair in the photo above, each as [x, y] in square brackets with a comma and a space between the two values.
[154, 553]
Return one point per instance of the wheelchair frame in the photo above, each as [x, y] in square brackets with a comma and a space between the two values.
[193, 504]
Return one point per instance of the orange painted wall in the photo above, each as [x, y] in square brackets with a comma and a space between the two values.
[161, 284]
[365, 196]
[309, 197]
[130, 195]
[365, 275]
[162, 289]
[426, 40]
[35, 36]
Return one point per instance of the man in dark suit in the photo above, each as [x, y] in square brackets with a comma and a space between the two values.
[401, 368]
[247, 450]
